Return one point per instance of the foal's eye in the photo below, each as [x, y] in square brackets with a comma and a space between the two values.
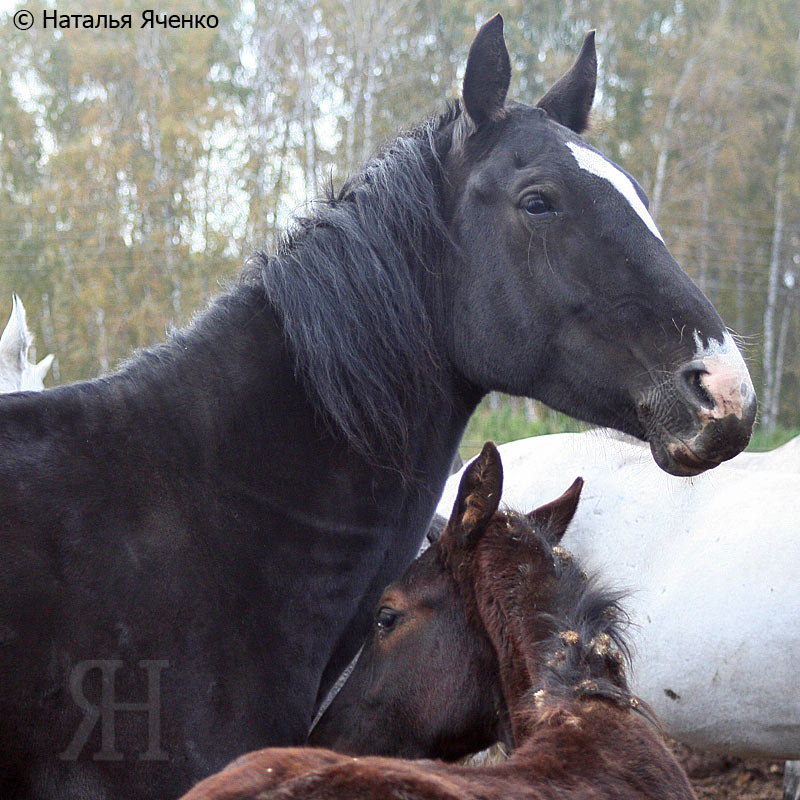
[387, 618]
[538, 205]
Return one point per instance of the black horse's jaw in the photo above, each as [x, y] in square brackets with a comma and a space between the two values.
[677, 458]
[684, 456]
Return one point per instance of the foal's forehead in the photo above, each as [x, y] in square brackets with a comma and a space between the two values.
[421, 574]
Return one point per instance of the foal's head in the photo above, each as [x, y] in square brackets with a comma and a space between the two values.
[426, 681]
[462, 636]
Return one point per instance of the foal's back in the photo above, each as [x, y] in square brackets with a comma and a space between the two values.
[598, 753]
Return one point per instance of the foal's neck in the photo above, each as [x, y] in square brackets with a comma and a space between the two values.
[518, 680]
[572, 669]
[557, 634]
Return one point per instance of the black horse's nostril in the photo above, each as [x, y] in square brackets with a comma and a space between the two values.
[690, 384]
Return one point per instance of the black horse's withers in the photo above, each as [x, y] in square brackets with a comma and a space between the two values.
[219, 517]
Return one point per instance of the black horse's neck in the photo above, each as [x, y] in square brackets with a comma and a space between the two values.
[223, 378]
[355, 325]
[357, 287]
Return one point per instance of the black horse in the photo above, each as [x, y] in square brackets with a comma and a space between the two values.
[190, 548]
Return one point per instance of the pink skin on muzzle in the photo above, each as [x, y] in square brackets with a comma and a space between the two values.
[724, 390]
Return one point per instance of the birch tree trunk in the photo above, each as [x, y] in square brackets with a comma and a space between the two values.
[48, 334]
[308, 59]
[666, 135]
[740, 287]
[780, 356]
[369, 107]
[148, 55]
[665, 140]
[769, 414]
[309, 131]
[102, 341]
[356, 92]
[708, 275]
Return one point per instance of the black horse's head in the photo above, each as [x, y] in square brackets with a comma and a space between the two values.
[578, 290]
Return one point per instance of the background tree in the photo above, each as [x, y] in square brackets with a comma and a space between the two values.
[138, 168]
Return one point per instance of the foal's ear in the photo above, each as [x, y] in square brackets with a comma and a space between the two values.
[478, 497]
[569, 99]
[488, 73]
[554, 517]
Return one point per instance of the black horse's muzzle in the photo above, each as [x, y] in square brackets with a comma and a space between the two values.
[702, 414]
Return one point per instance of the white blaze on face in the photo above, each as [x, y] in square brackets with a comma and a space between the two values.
[593, 162]
[727, 378]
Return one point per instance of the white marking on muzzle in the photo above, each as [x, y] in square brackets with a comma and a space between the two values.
[727, 379]
[593, 162]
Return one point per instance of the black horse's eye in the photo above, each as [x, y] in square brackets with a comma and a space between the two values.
[538, 205]
[387, 618]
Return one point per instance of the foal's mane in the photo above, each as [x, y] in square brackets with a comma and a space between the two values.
[586, 653]
[348, 282]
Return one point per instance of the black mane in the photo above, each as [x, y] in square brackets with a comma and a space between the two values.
[350, 282]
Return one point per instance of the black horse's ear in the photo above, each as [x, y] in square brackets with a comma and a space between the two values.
[569, 99]
[488, 74]
[478, 498]
[554, 518]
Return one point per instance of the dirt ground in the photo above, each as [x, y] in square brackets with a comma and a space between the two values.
[716, 777]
